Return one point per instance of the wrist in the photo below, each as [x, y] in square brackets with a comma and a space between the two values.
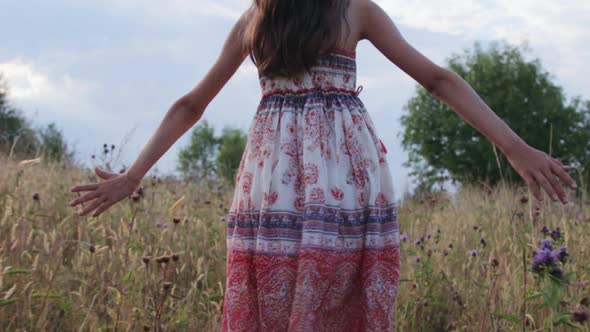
[514, 148]
[133, 177]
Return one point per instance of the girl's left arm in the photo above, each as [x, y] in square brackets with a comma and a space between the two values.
[181, 116]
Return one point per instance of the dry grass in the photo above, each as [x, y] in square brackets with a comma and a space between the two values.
[136, 268]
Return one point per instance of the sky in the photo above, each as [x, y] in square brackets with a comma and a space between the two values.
[106, 71]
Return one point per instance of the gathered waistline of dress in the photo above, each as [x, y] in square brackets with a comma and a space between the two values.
[320, 90]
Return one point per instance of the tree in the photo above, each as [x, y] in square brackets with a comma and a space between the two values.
[18, 139]
[53, 145]
[198, 158]
[232, 145]
[442, 146]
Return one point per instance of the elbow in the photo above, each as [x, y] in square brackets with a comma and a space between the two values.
[440, 77]
[187, 105]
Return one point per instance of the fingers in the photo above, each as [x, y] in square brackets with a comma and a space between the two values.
[103, 174]
[84, 198]
[94, 205]
[545, 184]
[86, 187]
[564, 176]
[105, 205]
[554, 181]
[533, 187]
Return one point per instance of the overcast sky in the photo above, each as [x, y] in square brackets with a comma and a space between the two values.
[104, 70]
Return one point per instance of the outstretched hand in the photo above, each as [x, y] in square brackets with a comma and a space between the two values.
[105, 194]
[535, 165]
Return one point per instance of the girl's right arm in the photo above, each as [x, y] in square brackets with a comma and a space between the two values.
[450, 88]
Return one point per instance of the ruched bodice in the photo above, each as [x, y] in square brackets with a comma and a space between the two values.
[333, 72]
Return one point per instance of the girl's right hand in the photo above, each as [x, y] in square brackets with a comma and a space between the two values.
[532, 164]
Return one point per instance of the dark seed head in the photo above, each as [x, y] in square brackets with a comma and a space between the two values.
[165, 259]
[580, 316]
[167, 285]
[524, 199]
[495, 262]
[146, 259]
[112, 146]
[176, 221]
[104, 145]
[36, 197]
[93, 156]
[92, 248]
[175, 257]
[585, 301]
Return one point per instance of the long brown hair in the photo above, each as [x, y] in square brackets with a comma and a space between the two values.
[285, 37]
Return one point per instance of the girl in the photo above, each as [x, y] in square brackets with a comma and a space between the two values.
[312, 232]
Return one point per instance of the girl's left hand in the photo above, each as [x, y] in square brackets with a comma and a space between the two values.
[107, 193]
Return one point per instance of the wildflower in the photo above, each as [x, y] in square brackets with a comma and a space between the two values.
[146, 259]
[417, 259]
[176, 221]
[495, 262]
[36, 197]
[524, 199]
[112, 146]
[106, 151]
[134, 197]
[445, 252]
[580, 316]
[581, 284]
[404, 237]
[438, 231]
[475, 227]
[175, 257]
[222, 218]
[429, 236]
[418, 242]
[556, 234]
[546, 244]
[560, 254]
[140, 191]
[541, 258]
[93, 156]
[167, 285]
[585, 301]
[165, 259]
[429, 252]
[104, 145]
[473, 253]
[450, 246]
[92, 248]
[482, 241]
[545, 230]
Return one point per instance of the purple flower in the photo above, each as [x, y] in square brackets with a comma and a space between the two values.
[429, 236]
[581, 284]
[545, 230]
[556, 234]
[36, 197]
[473, 253]
[417, 259]
[404, 237]
[546, 244]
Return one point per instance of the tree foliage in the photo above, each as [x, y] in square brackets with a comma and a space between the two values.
[210, 157]
[20, 140]
[442, 146]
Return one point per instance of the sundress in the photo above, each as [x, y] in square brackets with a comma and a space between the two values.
[312, 232]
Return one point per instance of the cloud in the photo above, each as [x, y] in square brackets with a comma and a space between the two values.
[183, 10]
[557, 30]
[33, 87]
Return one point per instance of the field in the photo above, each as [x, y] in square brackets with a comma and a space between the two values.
[157, 263]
